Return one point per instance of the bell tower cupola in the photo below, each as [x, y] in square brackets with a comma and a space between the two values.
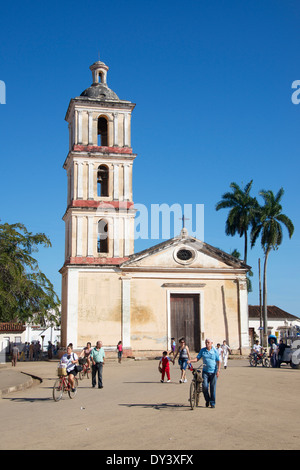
[99, 71]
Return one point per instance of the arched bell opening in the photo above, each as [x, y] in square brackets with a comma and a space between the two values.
[102, 181]
[102, 239]
[102, 132]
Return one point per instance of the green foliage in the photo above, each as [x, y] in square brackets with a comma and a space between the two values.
[265, 221]
[269, 220]
[25, 292]
[242, 208]
[236, 254]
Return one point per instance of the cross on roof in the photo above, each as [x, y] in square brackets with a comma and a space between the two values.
[183, 218]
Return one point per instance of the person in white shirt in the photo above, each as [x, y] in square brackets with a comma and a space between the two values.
[256, 347]
[273, 352]
[219, 349]
[225, 353]
[70, 359]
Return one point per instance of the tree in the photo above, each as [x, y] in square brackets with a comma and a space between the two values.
[241, 215]
[269, 220]
[25, 292]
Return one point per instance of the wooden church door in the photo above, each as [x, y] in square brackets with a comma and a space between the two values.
[185, 319]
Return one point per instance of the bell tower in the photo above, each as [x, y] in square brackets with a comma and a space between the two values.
[99, 219]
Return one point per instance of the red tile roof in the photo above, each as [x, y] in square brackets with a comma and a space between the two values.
[272, 312]
[12, 327]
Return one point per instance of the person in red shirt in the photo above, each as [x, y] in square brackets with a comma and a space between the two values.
[164, 367]
[120, 351]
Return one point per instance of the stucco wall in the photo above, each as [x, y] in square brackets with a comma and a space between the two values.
[150, 315]
[99, 308]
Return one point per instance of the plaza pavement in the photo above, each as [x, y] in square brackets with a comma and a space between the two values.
[256, 408]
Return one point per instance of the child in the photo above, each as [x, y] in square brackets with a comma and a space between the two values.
[164, 367]
[120, 351]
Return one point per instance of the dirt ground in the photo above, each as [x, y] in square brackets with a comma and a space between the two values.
[256, 408]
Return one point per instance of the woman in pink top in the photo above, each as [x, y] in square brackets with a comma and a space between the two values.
[120, 351]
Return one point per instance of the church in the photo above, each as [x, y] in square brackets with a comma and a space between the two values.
[181, 287]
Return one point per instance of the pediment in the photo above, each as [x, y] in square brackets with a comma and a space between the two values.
[183, 253]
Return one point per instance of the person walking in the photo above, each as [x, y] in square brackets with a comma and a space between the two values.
[15, 355]
[220, 351]
[27, 350]
[210, 372]
[31, 351]
[39, 351]
[120, 351]
[36, 351]
[173, 346]
[22, 355]
[98, 360]
[273, 352]
[184, 357]
[225, 353]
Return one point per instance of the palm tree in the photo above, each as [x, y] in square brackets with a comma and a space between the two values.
[242, 211]
[268, 224]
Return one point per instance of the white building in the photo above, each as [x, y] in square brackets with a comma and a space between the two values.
[11, 333]
[279, 322]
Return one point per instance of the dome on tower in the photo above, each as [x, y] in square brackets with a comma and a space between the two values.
[99, 89]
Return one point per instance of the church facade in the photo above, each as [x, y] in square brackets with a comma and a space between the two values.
[181, 287]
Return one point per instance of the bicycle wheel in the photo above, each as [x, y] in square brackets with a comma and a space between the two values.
[58, 390]
[266, 362]
[81, 375]
[87, 373]
[193, 394]
[198, 394]
[73, 394]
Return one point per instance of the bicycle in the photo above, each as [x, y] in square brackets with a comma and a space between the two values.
[262, 359]
[85, 369]
[62, 385]
[196, 387]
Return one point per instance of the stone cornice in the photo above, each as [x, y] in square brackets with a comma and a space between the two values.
[89, 104]
[105, 154]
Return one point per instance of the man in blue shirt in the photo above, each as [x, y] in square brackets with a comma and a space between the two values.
[98, 360]
[210, 372]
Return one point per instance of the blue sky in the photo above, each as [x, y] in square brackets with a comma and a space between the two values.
[212, 86]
